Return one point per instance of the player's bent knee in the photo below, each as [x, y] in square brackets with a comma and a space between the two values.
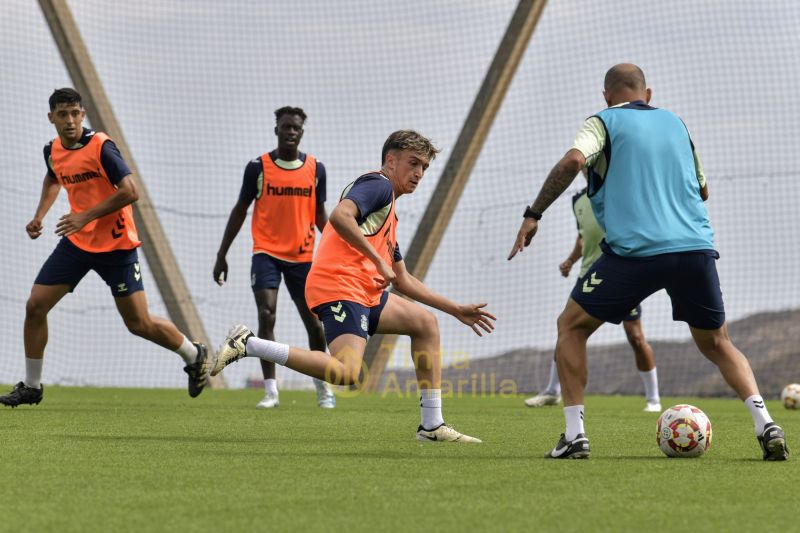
[342, 370]
[572, 323]
[140, 328]
[266, 317]
[35, 308]
[344, 377]
[427, 323]
[564, 324]
[710, 340]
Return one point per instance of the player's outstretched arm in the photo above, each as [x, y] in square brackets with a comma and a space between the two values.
[473, 315]
[235, 221]
[125, 194]
[525, 235]
[556, 183]
[50, 190]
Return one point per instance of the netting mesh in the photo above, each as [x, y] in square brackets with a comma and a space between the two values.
[194, 84]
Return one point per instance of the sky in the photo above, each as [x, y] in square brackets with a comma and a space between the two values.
[194, 84]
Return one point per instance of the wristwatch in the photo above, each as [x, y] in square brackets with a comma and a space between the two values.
[530, 213]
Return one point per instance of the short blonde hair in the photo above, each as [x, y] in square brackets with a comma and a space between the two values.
[409, 140]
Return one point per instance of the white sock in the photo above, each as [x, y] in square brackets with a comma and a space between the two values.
[574, 416]
[187, 351]
[271, 386]
[33, 372]
[755, 404]
[553, 386]
[650, 380]
[430, 407]
[274, 352]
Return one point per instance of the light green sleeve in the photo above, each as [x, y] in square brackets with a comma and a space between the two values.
[590, 139]
[698, 168]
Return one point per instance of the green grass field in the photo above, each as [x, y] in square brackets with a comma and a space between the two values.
[90, 459]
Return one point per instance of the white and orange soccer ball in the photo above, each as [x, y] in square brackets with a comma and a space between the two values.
[683, 431]
[790, 396]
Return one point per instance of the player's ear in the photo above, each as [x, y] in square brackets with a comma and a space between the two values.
[391, 159]
[648, 95]
[276, 130]
[50, 117]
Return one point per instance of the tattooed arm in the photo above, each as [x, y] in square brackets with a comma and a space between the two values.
[559, 179]
[556, 183]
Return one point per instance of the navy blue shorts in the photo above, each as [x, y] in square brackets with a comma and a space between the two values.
[632, 316]
[265, 273]
[614, 285]
[342, 317]
[68, 264]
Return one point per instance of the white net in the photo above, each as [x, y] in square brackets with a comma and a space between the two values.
[194, 85]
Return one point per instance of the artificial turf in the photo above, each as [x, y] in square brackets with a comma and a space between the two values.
[92, 459]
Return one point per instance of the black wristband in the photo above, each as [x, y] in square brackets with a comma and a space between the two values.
[530, 213]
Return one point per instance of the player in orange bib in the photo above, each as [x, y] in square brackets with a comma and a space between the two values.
[357, 259]
[97, 234]
[288, 189]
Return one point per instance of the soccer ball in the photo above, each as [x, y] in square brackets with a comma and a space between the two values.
[683, 431]
[791, 396]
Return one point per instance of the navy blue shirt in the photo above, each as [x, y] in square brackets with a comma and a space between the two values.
[372, 193]
[113, 164]
[255, 168]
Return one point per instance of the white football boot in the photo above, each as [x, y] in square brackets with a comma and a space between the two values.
[443, 433]
[542, 399]
[270, 401]
[232, 348]
[652, 407]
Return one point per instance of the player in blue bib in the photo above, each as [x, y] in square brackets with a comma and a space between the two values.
[647, 189]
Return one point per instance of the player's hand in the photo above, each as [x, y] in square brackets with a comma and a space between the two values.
[476, 317]
[220, 271]
[524, 236]
[70, 223]
[386, 276]
[34, 228]
[565, 267]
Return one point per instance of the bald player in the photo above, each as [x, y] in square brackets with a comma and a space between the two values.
[647, 189]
